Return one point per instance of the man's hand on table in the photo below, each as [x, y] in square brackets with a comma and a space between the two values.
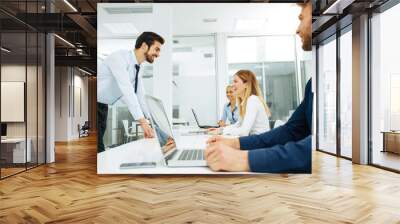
[221, 157]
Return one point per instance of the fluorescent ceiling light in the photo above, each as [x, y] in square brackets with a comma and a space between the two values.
[84, 71]
[338, 6]
[249, 24]
[70, 5]
[5, 50]
[65, 41]
[121, 28]
[129, 10]
[210, 20]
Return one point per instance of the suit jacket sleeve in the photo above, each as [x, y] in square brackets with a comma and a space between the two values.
[295, 129]
[293, 157]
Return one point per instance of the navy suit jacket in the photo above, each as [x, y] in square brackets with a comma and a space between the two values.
[285, 149]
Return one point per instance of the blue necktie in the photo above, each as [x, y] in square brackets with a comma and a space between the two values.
[136, 77]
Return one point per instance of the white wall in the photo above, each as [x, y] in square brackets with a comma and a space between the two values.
[196, 81]
[61, 103]
[162, 67]
[197, 92]
[68, 81]
[222, 71]
[80, 82]
[16, 73]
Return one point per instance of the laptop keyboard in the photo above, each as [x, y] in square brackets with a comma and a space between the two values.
[193, 154]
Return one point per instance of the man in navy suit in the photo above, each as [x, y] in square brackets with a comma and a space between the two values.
[285, 149]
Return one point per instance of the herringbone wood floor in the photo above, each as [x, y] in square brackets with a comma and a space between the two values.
[70, 191]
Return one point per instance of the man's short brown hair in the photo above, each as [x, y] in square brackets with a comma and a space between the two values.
[304, 3]
[149, 38]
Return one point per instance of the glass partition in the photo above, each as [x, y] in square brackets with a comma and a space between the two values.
[22, 64]
[327, 96]
[385, 89]
[32, 98]
[274, 60]
[346, 93]
[14, 153]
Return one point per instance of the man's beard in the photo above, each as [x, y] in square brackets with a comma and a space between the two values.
[307, 43]
[149, 58]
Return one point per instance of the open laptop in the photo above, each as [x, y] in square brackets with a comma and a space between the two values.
[202, 126]
[173, 156]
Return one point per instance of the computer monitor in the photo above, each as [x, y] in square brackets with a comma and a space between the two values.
[3, 129]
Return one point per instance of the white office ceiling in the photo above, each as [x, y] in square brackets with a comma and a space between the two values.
[191, 18]
[266, 18]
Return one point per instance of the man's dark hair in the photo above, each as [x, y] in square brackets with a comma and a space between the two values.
[303, 3]
[149, 38]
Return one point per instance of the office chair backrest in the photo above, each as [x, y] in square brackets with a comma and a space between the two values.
[86, 126]
[126, 128]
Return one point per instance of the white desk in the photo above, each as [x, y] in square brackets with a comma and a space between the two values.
[148, 150]
[19, 155]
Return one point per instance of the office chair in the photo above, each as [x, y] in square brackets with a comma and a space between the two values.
[128, 131]
[84, 130]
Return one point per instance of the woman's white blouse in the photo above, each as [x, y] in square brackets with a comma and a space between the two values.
[254, 122]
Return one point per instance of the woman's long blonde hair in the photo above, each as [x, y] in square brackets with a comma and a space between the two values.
[252, 88]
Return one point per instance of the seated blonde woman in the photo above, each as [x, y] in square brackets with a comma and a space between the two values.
[231, 111]
[253, 110]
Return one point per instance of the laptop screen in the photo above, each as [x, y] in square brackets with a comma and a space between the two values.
[195, 117]
[161, 125]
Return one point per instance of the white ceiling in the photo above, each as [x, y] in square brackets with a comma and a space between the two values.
[188, 18]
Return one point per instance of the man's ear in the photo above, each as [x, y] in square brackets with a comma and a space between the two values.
[144, 46]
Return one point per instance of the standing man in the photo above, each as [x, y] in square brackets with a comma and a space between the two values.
[118, 78]
[285, 149]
